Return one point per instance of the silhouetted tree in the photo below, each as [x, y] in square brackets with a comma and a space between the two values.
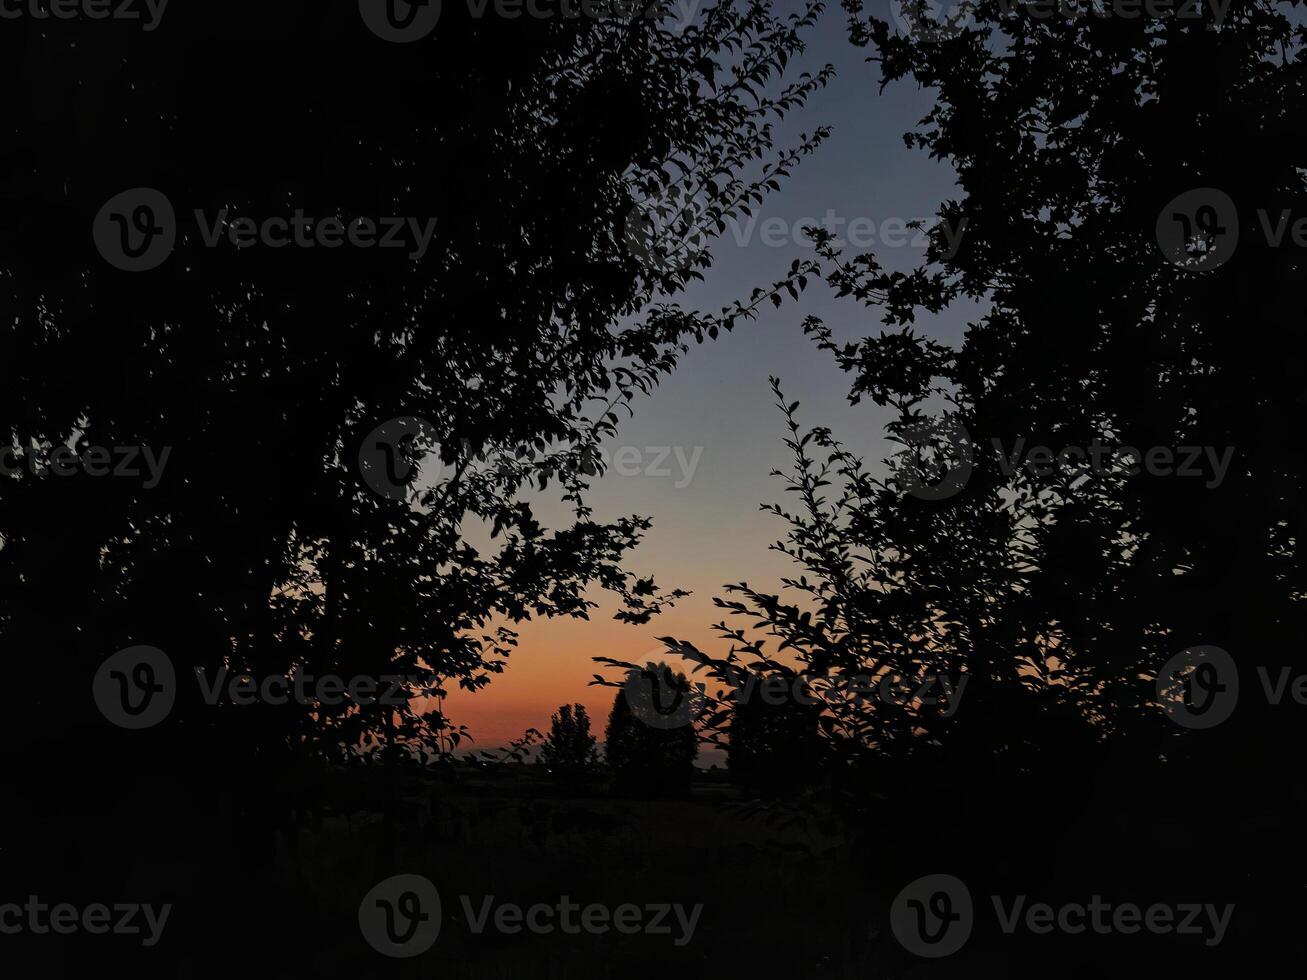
[773, 746]
[647, 760]
[569, 748]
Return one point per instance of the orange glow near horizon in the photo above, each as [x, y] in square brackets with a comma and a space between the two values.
[552, 666]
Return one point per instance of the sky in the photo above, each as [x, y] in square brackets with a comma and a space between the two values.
[697, 453]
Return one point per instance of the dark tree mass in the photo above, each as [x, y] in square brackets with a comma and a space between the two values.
[314, 317]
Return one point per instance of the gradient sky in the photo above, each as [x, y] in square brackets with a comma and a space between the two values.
[709, 531]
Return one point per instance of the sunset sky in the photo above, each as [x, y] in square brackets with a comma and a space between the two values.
[707, 526]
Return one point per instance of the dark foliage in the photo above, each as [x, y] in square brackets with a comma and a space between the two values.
[645, 761]
[569, 748]
[518, 334]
